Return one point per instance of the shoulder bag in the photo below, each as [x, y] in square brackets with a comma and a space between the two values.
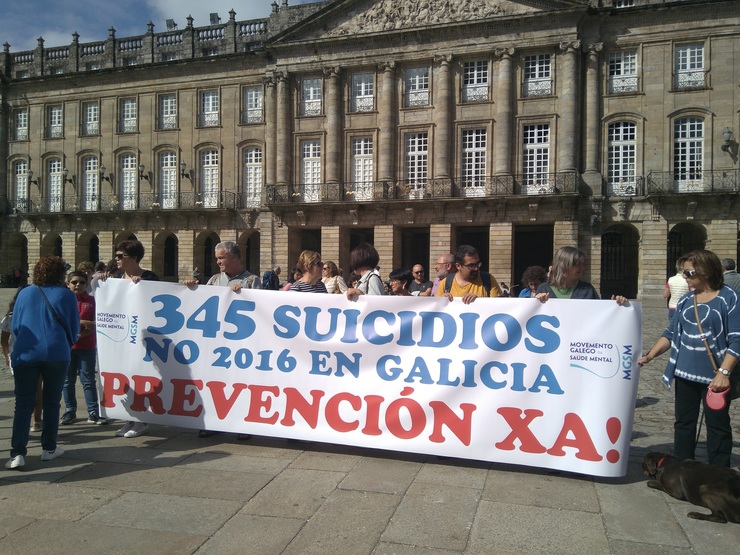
[56, 315]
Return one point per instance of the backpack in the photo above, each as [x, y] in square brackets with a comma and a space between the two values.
[484, 276]
[270, 281]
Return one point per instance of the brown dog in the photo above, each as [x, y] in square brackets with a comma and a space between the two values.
[715, 487]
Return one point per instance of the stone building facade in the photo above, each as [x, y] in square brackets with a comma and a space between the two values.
[515, 126]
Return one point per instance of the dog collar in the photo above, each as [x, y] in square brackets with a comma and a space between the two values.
[660, 461]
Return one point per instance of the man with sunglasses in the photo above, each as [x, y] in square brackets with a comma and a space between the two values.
[420, 286]
[83, 356]
[468, 282]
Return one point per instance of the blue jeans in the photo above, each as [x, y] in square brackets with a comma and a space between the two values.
[26, 377]
[84, 362]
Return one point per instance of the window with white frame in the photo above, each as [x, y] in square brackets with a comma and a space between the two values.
[362, 168]
[252, 103]
[623, 3]
[621, 159]
[474, 146]
[417, 87]
[362, 99]
[54, 122]
[127, 115]
[20, 186]
[475, 81]
[536, 160]
[208, 109]
[168, 180]
[311, 171]
[537, 76]
[311, 97]
[416, 170]
[209, 177]
[55, 184]
[688, 153]
[623, 71]
[167, 112]
[20, 124]
[129, 180]
[90, 118]
[252, 186]
[90, 184]
[690, 66]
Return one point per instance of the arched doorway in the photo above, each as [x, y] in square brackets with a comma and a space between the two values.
[683, 238]
[51, 245]
[250, 246]
[204, 257]
[619, 261]
[87, 248]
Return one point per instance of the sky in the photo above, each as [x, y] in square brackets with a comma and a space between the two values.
[24, 21]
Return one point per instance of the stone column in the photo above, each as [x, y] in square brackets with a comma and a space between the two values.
[330, 243]
[592, 107]
[384, 237]
[387, 119]
[440, 242]
[568, 95]
[500, 241]
[504, 131]
[270, 154]
[443, 105]
[333, 113]
[284, 136]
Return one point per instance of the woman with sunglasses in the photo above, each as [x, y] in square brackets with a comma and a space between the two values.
[690, 366]
[128, 255]
[309, 262]
[331, 278]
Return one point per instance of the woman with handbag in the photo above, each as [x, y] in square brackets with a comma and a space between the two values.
[704, 340]
[45, 325]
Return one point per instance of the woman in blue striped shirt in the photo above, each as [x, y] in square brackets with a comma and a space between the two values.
[309, 262]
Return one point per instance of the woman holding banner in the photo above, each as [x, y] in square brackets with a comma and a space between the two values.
[704, 334]
[309, 263]
[128, 255]
[565, 278]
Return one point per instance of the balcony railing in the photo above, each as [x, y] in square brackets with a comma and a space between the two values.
[429, 189]
[716, 181]
[221, 200]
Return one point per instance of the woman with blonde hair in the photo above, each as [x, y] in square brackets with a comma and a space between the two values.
[333, 281]
[309, 263]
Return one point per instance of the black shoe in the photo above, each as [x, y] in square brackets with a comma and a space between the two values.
[68, 417]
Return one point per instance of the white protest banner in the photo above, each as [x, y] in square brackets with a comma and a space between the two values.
[505, 380]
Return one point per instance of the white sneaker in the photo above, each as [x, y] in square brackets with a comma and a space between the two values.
[139, 429]
[15, 463]
[51, 455]
[123, 430]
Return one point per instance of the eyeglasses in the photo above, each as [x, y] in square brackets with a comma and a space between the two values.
[121, 256]
[325, 268]
[689, 273]
[78, 282]
[472, 265]
[419, 272]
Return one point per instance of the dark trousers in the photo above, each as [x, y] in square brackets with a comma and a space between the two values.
[26, 377]
[689, 398]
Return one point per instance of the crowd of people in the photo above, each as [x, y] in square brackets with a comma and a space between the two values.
[48, 334]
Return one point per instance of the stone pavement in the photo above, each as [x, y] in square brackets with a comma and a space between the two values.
[171, 492]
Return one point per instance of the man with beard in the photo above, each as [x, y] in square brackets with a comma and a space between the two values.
[468, 282]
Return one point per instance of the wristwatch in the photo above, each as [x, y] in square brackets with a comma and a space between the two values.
[724, 371]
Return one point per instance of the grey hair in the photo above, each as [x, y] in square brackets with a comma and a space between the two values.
[728, 264]
[231, 248]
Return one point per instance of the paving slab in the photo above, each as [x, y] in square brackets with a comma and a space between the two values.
[503, 528]
[348, 522]
[251, 534]
[166, 513]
